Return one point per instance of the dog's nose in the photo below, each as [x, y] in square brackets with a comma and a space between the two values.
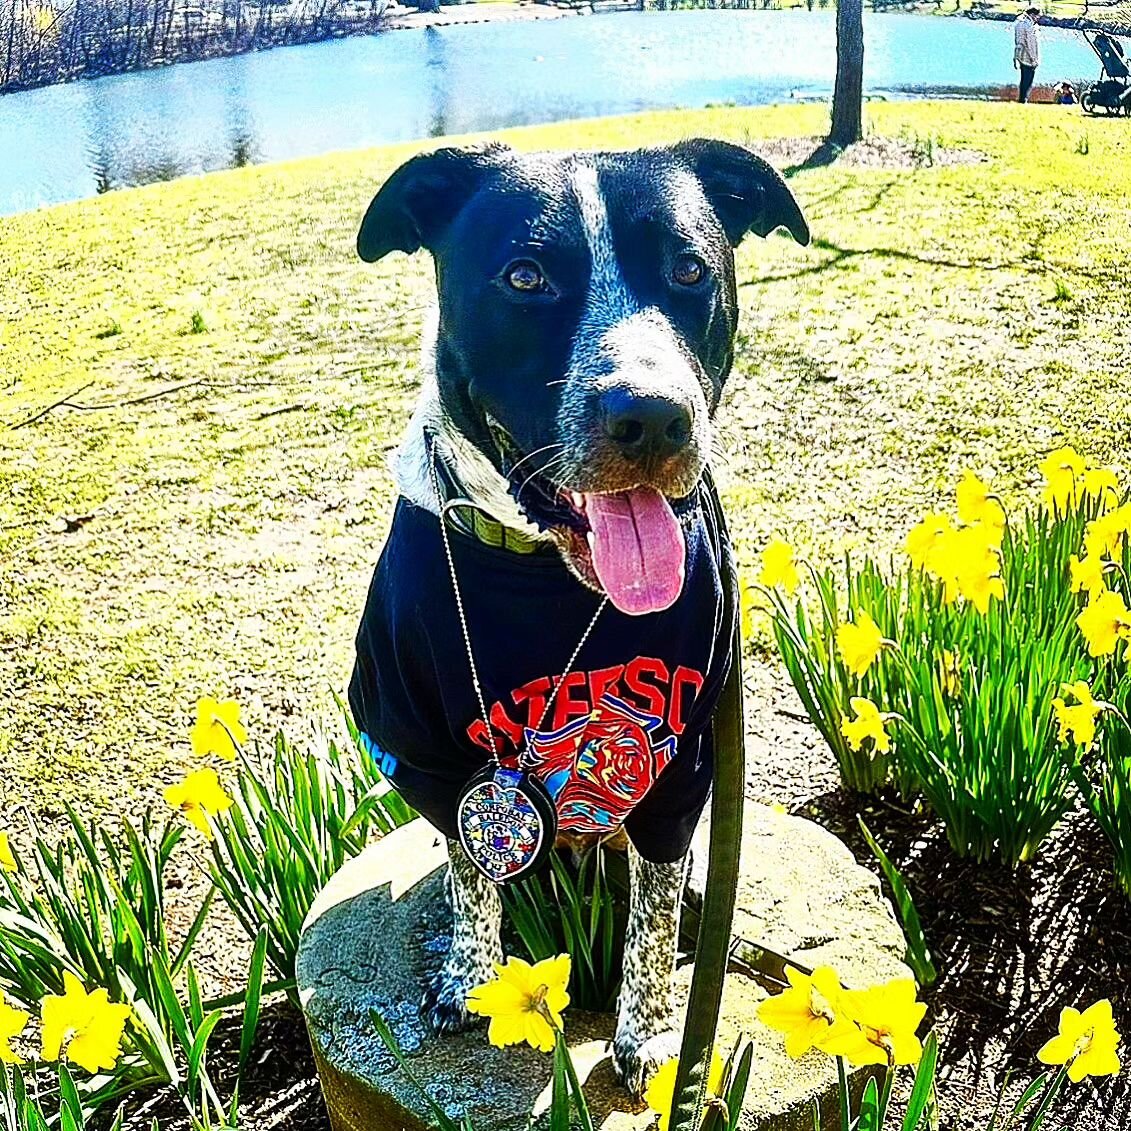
[645, 426]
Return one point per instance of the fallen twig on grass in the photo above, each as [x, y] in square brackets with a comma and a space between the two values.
[280, 411]
[51, 407]
[66, 402]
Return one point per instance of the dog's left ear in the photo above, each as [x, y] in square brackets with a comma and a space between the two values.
[415, 206]
[746, 192]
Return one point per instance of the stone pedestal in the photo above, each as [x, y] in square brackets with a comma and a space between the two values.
[381, 926]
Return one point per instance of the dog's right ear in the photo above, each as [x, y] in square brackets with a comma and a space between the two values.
[417, 203]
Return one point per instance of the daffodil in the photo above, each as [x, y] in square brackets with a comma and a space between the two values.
[1062, 470]
[976, 504]
[7, 859]
[980, 589]
[779, 567]
[1103, 536]
[218, 729]
[968, 562]
[12, 1022]
[887, 1018]
[867, 723]
[1086, 574]
[197, 796]
[660, 1093]
[1100, 483]
[524, 1002]
[923, 539]
[860, 642]
[1104, 622]
[1086, 1043]
[88, 1024]
[809, 1013]
[1079, 720]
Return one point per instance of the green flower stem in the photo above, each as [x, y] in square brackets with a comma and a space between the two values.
[845, 1109]
[885, 1095]
[1051, 1092]
[574, 1083]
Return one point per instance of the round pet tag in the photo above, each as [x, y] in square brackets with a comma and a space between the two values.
[506, 822]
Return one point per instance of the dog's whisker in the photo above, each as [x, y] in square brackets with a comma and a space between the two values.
[544, 471]
[537, 451]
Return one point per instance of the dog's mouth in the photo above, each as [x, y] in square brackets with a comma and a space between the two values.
[629, 543]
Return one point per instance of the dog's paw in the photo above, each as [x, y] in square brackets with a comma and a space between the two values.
[444, 1004]
[636, 1060]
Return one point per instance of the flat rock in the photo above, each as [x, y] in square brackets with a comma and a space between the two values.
[381, 926]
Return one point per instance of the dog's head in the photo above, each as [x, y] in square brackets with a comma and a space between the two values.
[587, 316]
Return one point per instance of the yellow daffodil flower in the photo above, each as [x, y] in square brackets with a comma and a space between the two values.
[12, 1022]
[7, 859]
[867, 723]
[980, 589]
[218, 728]
[860, 642]
[1103, 536]
[1105, 621]
[1077, 721]
[89, 1024]
[1087, 574]
[660, 1093]
[968, 562]
[1100, 483]
[1086, 1043]
[198, 795]
[1062, 470]
[886, 1018]
[976, 504]
[779, 567]
[924, 538]
[809, 1013]
[524, 1002]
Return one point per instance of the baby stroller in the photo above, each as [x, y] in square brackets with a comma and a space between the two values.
[1112, 92]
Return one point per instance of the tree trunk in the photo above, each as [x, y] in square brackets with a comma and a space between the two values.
[848, 93]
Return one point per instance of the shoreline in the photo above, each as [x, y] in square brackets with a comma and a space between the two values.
[398, 17]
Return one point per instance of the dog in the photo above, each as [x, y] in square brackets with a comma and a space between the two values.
[585, 326]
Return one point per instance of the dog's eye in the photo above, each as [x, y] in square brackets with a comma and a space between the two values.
[525, 276]
[689, 270]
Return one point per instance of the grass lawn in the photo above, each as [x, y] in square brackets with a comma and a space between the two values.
[202, 516]
[206, 523]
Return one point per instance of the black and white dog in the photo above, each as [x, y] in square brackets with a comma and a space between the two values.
[587, 313]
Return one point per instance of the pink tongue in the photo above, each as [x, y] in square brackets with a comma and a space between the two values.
[639, 554]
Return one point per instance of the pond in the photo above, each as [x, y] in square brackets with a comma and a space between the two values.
[66, 142]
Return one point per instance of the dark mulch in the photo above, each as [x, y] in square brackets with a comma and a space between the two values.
[1011, 948]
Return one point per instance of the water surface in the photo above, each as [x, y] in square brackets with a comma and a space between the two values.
[66, 142]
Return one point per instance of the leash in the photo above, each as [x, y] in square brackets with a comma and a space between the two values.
[716, 918]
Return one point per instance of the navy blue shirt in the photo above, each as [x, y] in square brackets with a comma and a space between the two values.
[627, 740]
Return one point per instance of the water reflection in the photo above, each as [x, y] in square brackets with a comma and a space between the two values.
[70, 141]
[439, 80]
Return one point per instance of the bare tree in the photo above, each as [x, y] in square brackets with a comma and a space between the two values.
[848, 93]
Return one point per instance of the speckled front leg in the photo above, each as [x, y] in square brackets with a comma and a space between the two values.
[477, 915]
[646, 1034]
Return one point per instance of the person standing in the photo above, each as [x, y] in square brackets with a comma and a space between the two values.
[1026, 50]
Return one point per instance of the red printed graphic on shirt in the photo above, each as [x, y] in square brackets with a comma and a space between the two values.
[646, 686]
[599, 767]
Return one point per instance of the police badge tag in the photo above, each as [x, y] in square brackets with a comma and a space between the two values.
[506, 823]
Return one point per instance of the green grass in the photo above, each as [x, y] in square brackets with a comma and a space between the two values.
[236, 480]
